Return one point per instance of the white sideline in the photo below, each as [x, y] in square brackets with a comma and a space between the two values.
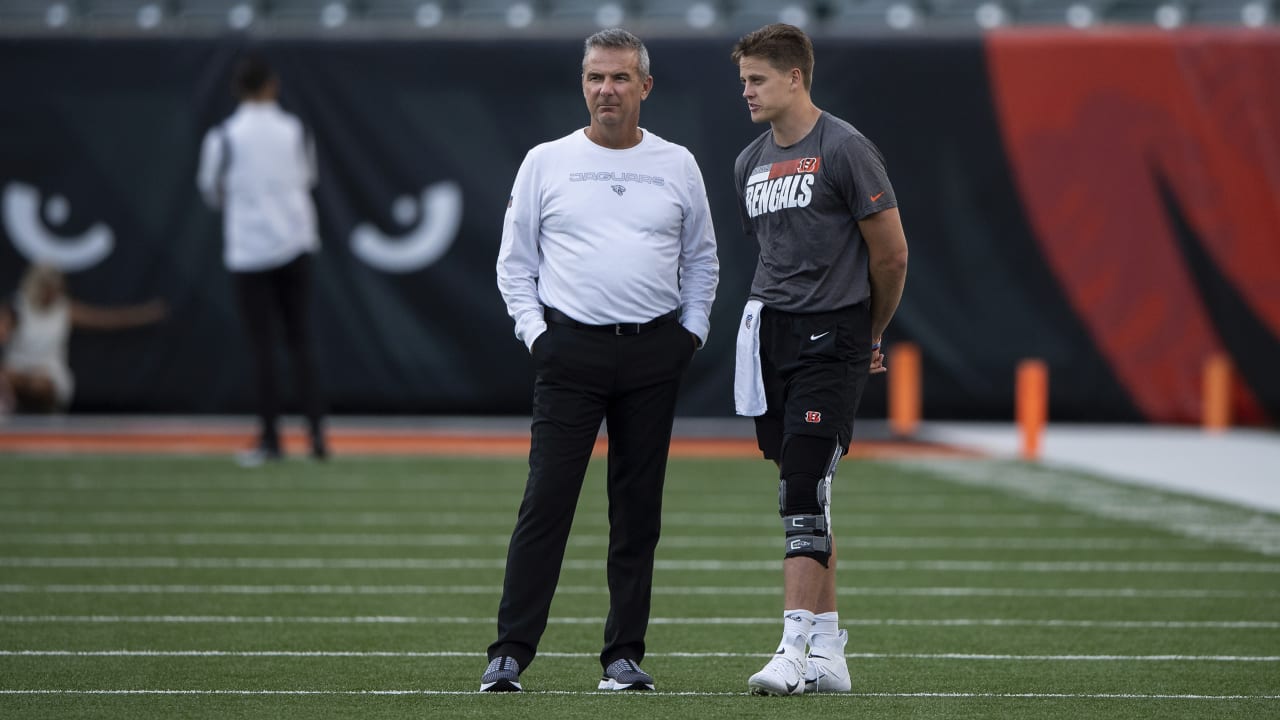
[1219, 523]
[252, 563]
[424, 620]
[659, 693]
[691, 655]
[495, 590]
[1240, 466]
[468, 518]
[1006, 543]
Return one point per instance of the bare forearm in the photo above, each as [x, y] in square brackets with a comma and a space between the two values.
[887, 261]
[887, 282]
[117, 318]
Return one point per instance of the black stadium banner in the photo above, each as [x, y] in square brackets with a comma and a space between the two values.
[419, 142]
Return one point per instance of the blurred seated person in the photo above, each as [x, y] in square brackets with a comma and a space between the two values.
[35, 330]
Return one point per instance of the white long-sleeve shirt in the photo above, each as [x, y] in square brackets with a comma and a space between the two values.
[608, 236]
[264, 186]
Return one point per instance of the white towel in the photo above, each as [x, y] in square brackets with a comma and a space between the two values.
[748, 383]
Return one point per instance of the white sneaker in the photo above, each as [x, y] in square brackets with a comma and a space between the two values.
[826, 669]
[782, 676]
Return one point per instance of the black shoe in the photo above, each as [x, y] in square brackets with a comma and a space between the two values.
[502, 675]
[625, 675]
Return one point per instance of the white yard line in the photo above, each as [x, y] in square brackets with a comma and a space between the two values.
[430, 620]
[691, 655]
[252, 563]
[487, 518]
[655, 694]
[496, 590]
[1006, 543]
[472, 497]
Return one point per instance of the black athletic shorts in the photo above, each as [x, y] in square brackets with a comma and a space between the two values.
[815, 366]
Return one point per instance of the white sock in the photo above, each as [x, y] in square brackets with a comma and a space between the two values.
[796, 628]
[826, 626]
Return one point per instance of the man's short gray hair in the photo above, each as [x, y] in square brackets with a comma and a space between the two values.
[619, 39]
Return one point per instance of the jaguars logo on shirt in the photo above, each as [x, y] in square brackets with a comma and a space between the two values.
[781, 185]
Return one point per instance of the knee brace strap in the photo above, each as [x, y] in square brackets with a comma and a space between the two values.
[807, 535]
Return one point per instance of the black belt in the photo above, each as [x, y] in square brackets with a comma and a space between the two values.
[553, 315]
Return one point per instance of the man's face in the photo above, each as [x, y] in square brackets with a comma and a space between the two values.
[767, 90]
[612, 86]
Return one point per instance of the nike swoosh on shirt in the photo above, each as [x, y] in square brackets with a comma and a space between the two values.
[877, 196]
[820, 336]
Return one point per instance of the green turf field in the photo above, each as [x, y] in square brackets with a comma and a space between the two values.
[366, 588]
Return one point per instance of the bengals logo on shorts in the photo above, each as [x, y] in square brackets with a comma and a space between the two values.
[813, 416]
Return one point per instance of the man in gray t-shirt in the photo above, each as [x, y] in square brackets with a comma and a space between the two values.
[814, 194]
[799, 202]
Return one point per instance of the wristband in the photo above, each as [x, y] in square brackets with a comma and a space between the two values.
[875, 346]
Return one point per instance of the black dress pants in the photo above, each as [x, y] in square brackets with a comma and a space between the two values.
[585, 376]
[275, 304]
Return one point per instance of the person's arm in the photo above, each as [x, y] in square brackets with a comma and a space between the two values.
[887, 264]
[209, 175]
[116, 318]
[699, 265]
[518, 256]
[6, 323]
[310, 160]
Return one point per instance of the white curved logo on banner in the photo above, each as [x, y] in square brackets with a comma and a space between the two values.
[439, 213]
[29, 235]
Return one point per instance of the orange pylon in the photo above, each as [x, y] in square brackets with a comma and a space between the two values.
[1032, 398]
[904, 389]
[1216, 393]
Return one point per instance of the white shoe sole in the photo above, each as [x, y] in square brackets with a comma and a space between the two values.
[501, 686]
[612, 684]
[762, 689]
[767, 686]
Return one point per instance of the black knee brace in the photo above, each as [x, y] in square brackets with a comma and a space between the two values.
[804, 495]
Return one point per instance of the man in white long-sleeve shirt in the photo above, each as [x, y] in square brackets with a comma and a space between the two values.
[608, 267]
[259, 167]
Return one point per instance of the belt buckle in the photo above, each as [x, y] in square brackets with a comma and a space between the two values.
[618, 329]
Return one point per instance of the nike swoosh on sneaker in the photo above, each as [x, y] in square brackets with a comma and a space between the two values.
[791, 687]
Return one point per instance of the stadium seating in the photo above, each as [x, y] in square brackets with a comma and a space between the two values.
[679, 17]
[747, 15]
[1075, 13]
[871, 16]
[650, 18]
[1251, 13]
[218, 15]
[26, 16]
[308, 16]
[583, 16]
[965, 14]
[498, 16]
[125, 15]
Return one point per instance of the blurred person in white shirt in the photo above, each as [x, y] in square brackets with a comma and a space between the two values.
[259, 167]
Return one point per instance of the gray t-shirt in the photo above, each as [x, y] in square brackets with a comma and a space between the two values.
[802, 205]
